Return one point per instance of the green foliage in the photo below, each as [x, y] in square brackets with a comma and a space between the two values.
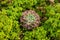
[36, 34]
[10, 13]
[58, 34]
[57, 6]
[9, 29]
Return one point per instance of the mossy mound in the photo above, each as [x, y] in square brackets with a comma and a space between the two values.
[10, 25]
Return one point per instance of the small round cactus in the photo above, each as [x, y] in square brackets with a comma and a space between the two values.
[30, 19]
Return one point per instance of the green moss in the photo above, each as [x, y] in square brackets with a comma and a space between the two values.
[10, 13]
[36, 34]
[57, 7]
[9, 29]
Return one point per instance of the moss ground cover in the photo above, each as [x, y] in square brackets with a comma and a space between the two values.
[10, 25]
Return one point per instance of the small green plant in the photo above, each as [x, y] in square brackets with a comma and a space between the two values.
[30, 19]
[11, 11]
[57, 7]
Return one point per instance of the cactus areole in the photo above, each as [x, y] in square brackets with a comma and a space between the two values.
[30, 19]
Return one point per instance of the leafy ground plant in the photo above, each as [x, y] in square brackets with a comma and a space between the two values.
[12, 10]
[30, 19]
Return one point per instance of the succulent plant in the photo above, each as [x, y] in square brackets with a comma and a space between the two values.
[30, 19]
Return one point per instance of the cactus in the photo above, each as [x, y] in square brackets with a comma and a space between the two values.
[30, 19]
